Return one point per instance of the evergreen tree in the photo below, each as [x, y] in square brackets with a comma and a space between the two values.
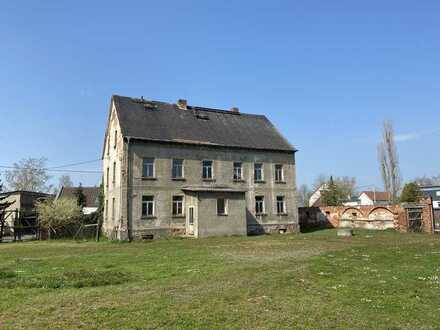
[80, 197]
[411, 193]
[332, 195]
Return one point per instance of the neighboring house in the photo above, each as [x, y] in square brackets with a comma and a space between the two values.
[315, 198]
[434, 193]
[175, 169]
[353, 201]
[91, 194]
[374, 198]
[23, 204]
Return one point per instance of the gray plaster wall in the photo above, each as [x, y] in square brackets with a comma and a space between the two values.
[163, 187]
[209, 223]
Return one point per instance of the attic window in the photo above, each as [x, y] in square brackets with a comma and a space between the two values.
[150, 106]
[202, 116]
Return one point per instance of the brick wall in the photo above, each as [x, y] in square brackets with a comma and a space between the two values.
[369, 217]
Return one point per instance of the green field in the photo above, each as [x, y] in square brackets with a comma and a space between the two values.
[374, 280]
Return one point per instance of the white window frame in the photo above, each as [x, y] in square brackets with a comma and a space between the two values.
[182, 168]
[153, 167]
[236, 170]
[283, 204]
[261, 172]
[225, 205]
[282, 173]
[263, 211]
[211, 167]
[148, 202]
[182, 202]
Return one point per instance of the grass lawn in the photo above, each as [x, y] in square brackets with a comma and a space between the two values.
[374, 280]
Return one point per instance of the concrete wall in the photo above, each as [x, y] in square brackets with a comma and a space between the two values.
[130, 186]
[209, 223]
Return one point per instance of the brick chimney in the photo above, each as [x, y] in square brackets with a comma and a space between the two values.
[182, 104]
[235, 109]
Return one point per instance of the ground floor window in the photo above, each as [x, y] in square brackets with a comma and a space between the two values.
[177, 205]
[147, 206]
[281, 207]
[221, 206]
[259, 205]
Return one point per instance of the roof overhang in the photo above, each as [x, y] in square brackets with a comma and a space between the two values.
[213, 189]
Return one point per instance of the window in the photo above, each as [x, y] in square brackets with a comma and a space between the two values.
[113, 209]
[279, 175]
[148, 168]
[258, 172]
[177, 205]
[114, 172]
[437, 193]
[207, 169]
[177, 170]
[259, 205]
[237, 171]
[108, 144]
[281, 207]
[107, 177]
[147, 206]
[116, 139]
[221, 206]
[106, 209]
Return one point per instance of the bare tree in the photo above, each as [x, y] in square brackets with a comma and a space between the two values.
[28, 174]
[389, 161]
[303, 195]
[428, 181]
[65, 181]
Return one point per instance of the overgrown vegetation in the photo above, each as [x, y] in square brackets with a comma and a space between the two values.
[374, 280]
[59, 215]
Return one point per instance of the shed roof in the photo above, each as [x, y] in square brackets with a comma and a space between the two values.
[166, 122]
[91, 194]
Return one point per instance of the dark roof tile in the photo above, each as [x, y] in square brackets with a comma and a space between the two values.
[159, 121]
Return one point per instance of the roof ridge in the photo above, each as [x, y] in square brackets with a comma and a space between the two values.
[192, 107]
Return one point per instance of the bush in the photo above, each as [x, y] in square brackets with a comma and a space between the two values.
[59, 215]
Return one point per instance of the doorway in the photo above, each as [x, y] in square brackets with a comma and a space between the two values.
[190, 221]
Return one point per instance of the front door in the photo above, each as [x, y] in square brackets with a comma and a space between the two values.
[190, 220]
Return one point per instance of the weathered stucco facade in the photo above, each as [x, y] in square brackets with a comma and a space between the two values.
[126, 186]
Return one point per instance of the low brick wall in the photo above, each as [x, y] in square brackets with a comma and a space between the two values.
[368, 217]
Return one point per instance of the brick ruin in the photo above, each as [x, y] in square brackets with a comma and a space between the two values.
[402, 217]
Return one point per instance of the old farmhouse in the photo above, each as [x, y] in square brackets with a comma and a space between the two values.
[176, 169]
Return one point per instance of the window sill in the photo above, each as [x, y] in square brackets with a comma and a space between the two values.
[259, 181]
[147, 178]
[178, 216]
[238, 180]
[208, 180]
[178, 179]
[281, 182]
[261, 214]
[283, 214]
[148, 217]
[222, 215]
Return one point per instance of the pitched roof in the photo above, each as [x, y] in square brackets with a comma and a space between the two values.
[91, 194]
[166, 122]
[378, 195]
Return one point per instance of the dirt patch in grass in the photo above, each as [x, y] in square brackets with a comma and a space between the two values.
[70, 279]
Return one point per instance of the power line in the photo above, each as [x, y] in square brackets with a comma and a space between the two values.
[74, 164]
[52, 170]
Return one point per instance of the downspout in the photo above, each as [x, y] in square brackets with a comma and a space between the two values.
[129, 192]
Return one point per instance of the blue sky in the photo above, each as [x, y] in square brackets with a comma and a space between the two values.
[327, 73]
